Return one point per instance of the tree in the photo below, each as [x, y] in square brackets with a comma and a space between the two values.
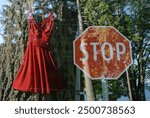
[140, 10]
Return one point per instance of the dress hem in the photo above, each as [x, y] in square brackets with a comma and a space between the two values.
[36, 91]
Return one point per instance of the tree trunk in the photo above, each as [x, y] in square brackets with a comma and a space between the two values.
[88, 82]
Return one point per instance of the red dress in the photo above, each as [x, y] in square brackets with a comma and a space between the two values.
[38, 72]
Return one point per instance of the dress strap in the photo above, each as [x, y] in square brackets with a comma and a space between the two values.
[51, 15]
[30, 14]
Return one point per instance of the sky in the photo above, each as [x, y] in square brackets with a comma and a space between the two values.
[2, 2]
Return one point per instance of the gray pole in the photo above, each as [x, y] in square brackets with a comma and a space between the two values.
[78, 72]
[78, 85]
[105, 89]
[88, 81]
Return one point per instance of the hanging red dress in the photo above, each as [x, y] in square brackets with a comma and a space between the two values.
[38, 72]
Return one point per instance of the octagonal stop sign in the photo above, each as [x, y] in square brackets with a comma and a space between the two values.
[102, 52]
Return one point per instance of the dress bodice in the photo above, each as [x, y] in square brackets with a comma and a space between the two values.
[39, 34]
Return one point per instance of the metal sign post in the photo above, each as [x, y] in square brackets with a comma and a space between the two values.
[105, 89]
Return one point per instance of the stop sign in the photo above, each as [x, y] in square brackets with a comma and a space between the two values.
[102, 52]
